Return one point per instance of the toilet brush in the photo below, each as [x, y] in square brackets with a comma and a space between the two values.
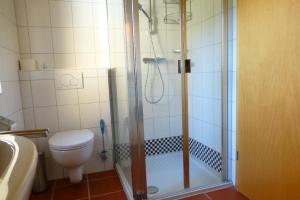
[102, 131]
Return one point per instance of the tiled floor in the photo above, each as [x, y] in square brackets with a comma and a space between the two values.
[97, 186]
[225, 194]
[107, 186]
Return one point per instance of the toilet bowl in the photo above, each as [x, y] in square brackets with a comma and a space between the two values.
[71, 149]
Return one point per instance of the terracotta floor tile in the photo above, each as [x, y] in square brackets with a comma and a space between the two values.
[66, 181]
[111, 196]
[104, 186]
[71, 192]
[102, 175]
[226, 194]
[43, 195]
[197, 197]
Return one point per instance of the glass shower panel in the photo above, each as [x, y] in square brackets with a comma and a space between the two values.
[161, 84]
[206, 92]
[119, 94]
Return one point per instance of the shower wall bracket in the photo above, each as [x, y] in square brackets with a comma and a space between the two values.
[187, 66]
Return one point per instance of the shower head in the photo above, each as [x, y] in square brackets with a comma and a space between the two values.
[144, 12]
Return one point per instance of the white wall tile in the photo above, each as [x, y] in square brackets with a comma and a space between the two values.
[101, 40]
[116, 40]
[63, 40]
[67, 97]
[18, 118]
[20, 10]
[24, 75]
[46, 117]
[11, 98]
[61, 13]
[8, 35]
[116, 18]
[24, 41]
[176, 126]
[26, 94]
[64, 60]
[105, 112]
[89, 115]
[85, 60]
[41, 75]
[82, 14]
[161, 127]
[89, 94]
[84, 40]
[103, 60]
[43, 93]
[68, 117]
[103, 89]
[44, 60]
[100, 15]
[149, 128]
[42, 42]
[29, 121]
[38, 12]
[9, 65]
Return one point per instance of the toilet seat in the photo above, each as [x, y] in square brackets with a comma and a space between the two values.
[70, 140]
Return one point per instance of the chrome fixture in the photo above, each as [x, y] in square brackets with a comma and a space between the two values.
[172, 17]
[145, 13]
[154, 61]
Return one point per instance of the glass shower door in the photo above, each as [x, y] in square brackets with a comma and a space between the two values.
[166, 155]
[207, 92]
[176, 85]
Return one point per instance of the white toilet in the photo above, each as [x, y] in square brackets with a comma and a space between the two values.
[71, 149]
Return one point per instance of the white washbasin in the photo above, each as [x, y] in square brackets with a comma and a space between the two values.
[18, 160]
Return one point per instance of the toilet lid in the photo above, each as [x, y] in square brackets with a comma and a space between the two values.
[68, 140]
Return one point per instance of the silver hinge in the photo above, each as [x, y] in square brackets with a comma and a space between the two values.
[140, 195]
[237, 155]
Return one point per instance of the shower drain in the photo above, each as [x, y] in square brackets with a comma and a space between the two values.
[152, 189]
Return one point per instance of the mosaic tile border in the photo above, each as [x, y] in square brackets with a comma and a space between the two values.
[159, 146]
[206, 154]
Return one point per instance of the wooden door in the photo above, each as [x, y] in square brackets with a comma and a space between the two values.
[269, 99]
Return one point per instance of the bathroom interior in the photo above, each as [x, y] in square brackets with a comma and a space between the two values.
[149, 99]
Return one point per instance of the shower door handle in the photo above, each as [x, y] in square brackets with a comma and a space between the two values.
[187, 66]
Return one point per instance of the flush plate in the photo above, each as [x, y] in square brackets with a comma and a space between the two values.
[68, 79]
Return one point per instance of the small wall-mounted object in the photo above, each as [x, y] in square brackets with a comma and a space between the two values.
[28, 64]
[173, 16]
[0, 87]
[6, 124]
[68, 79]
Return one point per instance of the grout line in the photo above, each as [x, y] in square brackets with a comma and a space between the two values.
[88, 186]
[109, 193]
[207, 196]
[103, 179]
[53, 190]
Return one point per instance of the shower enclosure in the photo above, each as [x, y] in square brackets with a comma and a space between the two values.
[169, 102]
